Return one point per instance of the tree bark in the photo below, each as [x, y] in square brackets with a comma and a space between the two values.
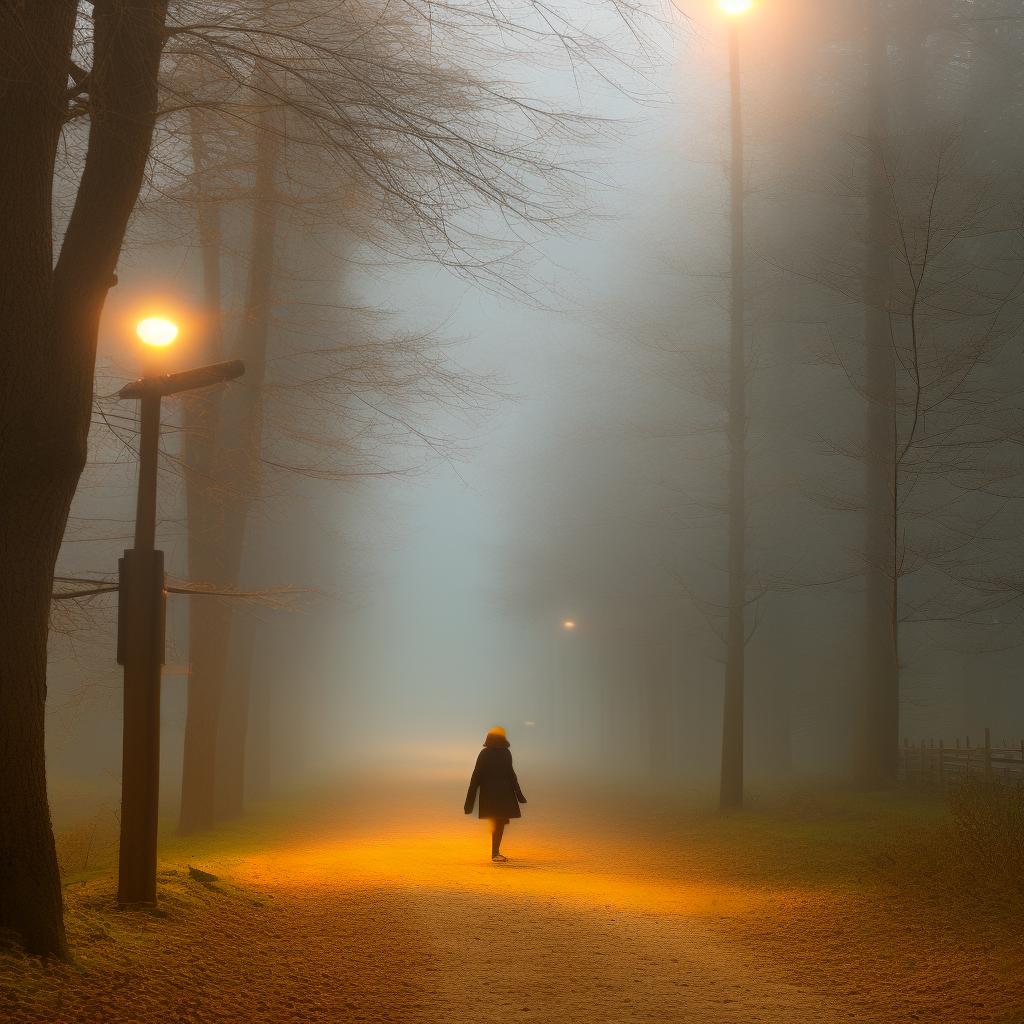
[215, 715]
[49, 321]
[255, 336]
[232, 746]
[263, 732]
[205, 499]
[731, 791]
[209, 625]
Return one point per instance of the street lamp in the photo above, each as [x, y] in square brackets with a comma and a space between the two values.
[564, 716]
[156, 331]
[141, 615]
[732, 706]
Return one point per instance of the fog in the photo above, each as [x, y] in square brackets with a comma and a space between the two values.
[511, 511]
[576, 476]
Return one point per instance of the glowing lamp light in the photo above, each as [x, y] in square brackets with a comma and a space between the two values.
[569, 625]
[735, 7]
[156, 331]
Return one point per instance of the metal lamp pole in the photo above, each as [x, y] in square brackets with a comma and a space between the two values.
[140, 641]
[733, 705]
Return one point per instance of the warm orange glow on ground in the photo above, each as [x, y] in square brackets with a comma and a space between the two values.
[437, 849]
[383, 906]
[439, 858]
[156, 331]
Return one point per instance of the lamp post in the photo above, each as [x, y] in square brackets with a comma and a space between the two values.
[140, 626]
[731, 794]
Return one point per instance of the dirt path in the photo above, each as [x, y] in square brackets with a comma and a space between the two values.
[400, 920]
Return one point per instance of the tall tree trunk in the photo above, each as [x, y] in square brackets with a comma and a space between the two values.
[261, 734]
[255, 335]
[232, 743]
[205, 497]
[38, 468]
[880, 727]
[49, 322]
[731, 791]
[210, 623]
[238, 440]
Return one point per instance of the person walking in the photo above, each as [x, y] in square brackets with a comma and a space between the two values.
[500, 795]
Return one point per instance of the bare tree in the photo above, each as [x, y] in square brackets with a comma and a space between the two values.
[67, 61]
[926, 254]
[49, 314]
[407, 146]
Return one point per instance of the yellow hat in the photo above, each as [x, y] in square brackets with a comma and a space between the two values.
[496, 738]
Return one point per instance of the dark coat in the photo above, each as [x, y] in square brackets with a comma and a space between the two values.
[494, 776]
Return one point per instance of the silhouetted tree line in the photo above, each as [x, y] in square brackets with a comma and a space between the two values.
[883, 285]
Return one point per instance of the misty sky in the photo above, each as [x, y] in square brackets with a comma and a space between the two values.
[413, 624]
[436, 580]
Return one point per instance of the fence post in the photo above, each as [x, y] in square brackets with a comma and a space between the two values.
[988, 754]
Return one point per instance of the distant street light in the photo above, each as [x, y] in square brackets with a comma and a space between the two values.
[563, 716]
[735, 7]
[140, 626]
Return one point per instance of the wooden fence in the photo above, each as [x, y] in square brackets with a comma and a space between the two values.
[932, 763]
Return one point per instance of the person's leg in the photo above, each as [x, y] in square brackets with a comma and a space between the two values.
[497, 831]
